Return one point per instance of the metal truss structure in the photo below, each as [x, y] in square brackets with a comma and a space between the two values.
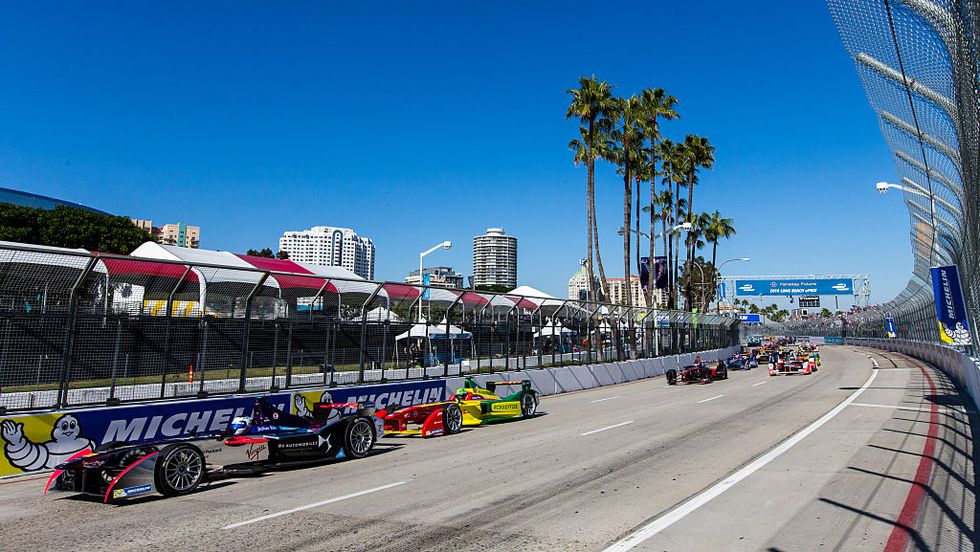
[918, 62]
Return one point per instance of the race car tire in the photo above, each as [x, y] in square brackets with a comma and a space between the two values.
[723, 374]
[529, 404]
[358, 438]
[452, 419]
[671, 376]
[179, 469]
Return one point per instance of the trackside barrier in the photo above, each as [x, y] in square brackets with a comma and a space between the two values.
[34, 443]
[963, 369]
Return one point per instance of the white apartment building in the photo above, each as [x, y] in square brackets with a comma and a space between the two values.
[331, 246]
[495, 259]
[578, 285]
[618, 290]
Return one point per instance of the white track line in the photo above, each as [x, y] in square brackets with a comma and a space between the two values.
[606, 399]
[760, 383]
[604, 428]
[314, 505]
[711, 399]
[652, 528]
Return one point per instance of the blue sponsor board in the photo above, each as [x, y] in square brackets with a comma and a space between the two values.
[750, 318]
[833, 340]
[818, 286]
[950, 309]
[890, 327]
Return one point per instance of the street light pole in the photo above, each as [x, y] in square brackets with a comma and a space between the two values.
[445, 245]
[746, 259]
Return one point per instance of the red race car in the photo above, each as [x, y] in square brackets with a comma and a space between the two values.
[427, 420]
[697, 373]
[791, 364]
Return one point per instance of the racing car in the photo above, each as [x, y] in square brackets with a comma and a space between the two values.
[268, 438]
[789, 363]
[471, 405]
[697, 373]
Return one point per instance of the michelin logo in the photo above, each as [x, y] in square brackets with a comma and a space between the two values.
[146, 428]
[129, 492]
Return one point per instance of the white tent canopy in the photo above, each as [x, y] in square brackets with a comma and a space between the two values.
[433, 331]
[553, 329]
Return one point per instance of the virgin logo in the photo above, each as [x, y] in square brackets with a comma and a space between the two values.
[254, 451]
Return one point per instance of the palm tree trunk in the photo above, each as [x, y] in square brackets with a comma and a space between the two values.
[638, 240]
[714, 268]
[688, 292]
[674, 290]
[590, 209]
[628, 220]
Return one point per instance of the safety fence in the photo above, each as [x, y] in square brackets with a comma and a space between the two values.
[918, 62]
[80, 328]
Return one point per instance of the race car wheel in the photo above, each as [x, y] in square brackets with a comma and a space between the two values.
[529, 404]
[358, 438]
[452, 419]
[724, 373]
[179, 469]
[671, 377]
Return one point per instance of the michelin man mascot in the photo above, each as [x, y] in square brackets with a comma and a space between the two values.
[302, 409]
[66, 440]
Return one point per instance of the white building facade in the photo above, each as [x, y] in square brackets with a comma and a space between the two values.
[495, 259]
[331, 246]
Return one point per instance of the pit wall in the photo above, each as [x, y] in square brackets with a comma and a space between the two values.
[963, 369]
[35, 443]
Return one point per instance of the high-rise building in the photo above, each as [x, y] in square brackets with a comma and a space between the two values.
[495, 259]
[618, 290]
[578, 285]
[439, 276]
[330, 246]
[179, 234]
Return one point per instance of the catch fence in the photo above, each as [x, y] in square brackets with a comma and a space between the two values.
[79, 328]
[918, 61]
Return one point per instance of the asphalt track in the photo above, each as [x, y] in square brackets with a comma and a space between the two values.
[885, 462]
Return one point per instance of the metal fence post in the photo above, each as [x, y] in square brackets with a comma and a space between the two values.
[69, 343]
[246, 331]
[360, 377]
[167, 356]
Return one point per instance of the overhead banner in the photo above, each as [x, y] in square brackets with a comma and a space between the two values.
[750, 318]
[950, 308]
[890, 327]
[817, 286]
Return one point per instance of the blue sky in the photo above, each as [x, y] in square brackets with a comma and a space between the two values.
[416, 122]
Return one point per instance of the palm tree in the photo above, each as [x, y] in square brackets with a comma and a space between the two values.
[591, 103]
[716, 228]
[673, 163]
[700, 154]
[655, 104]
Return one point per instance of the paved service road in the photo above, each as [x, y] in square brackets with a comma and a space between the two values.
[642, 465]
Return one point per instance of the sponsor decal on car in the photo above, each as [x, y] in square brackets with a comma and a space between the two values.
[505, 407]
[132, 491]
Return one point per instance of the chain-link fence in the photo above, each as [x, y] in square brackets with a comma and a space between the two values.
[78, 328]
[918, 61]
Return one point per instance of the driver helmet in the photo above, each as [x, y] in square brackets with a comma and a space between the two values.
[239, 424]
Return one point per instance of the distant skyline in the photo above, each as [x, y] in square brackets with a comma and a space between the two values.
[417, 123]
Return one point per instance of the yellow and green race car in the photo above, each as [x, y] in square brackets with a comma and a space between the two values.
[481, 405]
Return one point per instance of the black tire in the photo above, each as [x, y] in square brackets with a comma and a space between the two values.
[358, 438]
[529, 404]
[452, 419]
[724, 373]
[179, 469]
[671, 376]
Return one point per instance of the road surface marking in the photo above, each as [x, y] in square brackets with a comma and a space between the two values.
[912, 408]
[760, 383]
[606, 399]
[659, 524]
[711, 399]
[604, 428]
[314, 505]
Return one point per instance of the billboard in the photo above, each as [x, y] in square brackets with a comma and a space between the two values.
[890, 327]
[809, 301]
[950, 308]
[659, 270]
[750, 318]
[813, 286]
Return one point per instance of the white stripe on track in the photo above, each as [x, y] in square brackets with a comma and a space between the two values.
[605, 428]
[659, 524]
[760, 383]
[314, 505]
[711, 399]
[606, 399]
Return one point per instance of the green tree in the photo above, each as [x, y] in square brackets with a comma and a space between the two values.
[700, 155]
[70, 227]
[825, 313]
[591, 103]
[282, 255]
[716, 228]
[264, 252]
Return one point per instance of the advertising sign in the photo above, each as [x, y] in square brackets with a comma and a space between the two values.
[426, 279]
[809, 301]
[817, 286]
[659, 271]
[890, 327]
[950, 308]
[750, 318]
